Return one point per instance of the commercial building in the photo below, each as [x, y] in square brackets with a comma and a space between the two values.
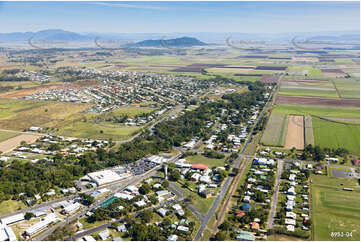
[51, 217]
[6, 233]
[13, 219]
[106, 176]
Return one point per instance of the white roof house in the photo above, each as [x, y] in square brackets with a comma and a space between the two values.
[290, 221]
[172, 237]
[183, 228]
[71, 208]
[140, 203]
[89, 238]
[104, 234]
[162, 212]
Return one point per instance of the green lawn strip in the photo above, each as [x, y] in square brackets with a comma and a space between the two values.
[211, 162]
[341, 208]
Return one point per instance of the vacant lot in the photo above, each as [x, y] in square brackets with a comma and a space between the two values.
[336, 135]
[276, 130]
[335, 210]
[319, 101]
[295, 133]
[10, 206]
[205, 160]
[10, 144]
[20, 115]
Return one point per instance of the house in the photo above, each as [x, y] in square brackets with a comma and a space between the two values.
[140, 203]
[291, 191]
[162, 212]
[172, 237]
[37, 196]
[89, 238]
[122, 228]
[245, 236]
[195, 177]
[290, 221]
[290, 228]
[104, 234]
[290, 215]
[206, 193]
[198, 166]
[162, 193]
[245, 207]
[254, 225]
[71, 208]
[157, 186]
[183, 228]
[205, 179]
[246, 199]
[240, 214]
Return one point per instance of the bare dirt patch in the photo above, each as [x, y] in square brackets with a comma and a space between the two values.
[295, 136]
[269, 79]
[318, 101]
[314, 81]
[12, 143]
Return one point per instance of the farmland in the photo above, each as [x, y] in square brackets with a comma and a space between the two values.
[304, 70]
[318, 101]
[295, 133]
[6, 135]
[308, 92]
[309, 138]
[276, 130]
[335, 135]
[341, 208]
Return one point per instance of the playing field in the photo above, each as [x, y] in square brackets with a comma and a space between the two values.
[205, 160]
[336, 135]
[335, 210]
[276, 129]
[6, 135]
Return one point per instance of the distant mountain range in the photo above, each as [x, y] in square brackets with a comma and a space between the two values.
[174, 39]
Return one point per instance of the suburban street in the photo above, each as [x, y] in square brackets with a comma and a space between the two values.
[275, 195]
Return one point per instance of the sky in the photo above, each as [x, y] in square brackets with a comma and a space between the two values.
[170, 17]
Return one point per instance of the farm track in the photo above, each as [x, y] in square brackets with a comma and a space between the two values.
[337, 91]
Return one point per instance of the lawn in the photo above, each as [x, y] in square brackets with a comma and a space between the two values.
[301, 70]
[319, 111]
[92, 130]
[276, 129]
[336, 135]
[204, 160]
[131, 111]
[10, 206]
[308, 92]
[6, 135]
[335, 210]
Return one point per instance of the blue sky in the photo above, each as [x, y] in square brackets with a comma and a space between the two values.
[168, 17]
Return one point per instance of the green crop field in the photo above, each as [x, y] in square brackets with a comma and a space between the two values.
[319, 111]
[308, 92]
[309, 138]
[276, 129]
[348, 87]
[335, 210]
[299, 70]
[336, 135]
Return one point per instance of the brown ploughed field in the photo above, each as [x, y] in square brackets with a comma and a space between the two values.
[295, 136]
[319, 101]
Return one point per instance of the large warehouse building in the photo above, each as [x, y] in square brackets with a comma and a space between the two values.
[106, 176]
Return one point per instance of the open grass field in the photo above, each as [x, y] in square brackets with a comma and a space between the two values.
[308, 92]
[10, 206]
[348, 87]
[319, 111]
[205, 160]
[309, 138]
[335, 135]
[92, 130]
[131, 111]
[276, 129]
[20, 114]
[302, 70]
[335, 210]
[6, 135]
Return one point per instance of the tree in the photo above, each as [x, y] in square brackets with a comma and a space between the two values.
[145, 189]
[225, 225]
[220, 236]
[87, 199]
[146, 216]
[165, 184]
[175, 175]
[29, 215]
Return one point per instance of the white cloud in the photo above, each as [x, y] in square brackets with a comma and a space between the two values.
[125, 5]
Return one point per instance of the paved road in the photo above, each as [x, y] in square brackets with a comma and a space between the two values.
[275, 195]
[229, 179]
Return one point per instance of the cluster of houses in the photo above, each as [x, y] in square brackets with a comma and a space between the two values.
[297, 204]
[35, 76]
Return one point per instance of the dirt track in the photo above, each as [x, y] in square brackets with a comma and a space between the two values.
[12, 143]
[295, 136]
[319, 101]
